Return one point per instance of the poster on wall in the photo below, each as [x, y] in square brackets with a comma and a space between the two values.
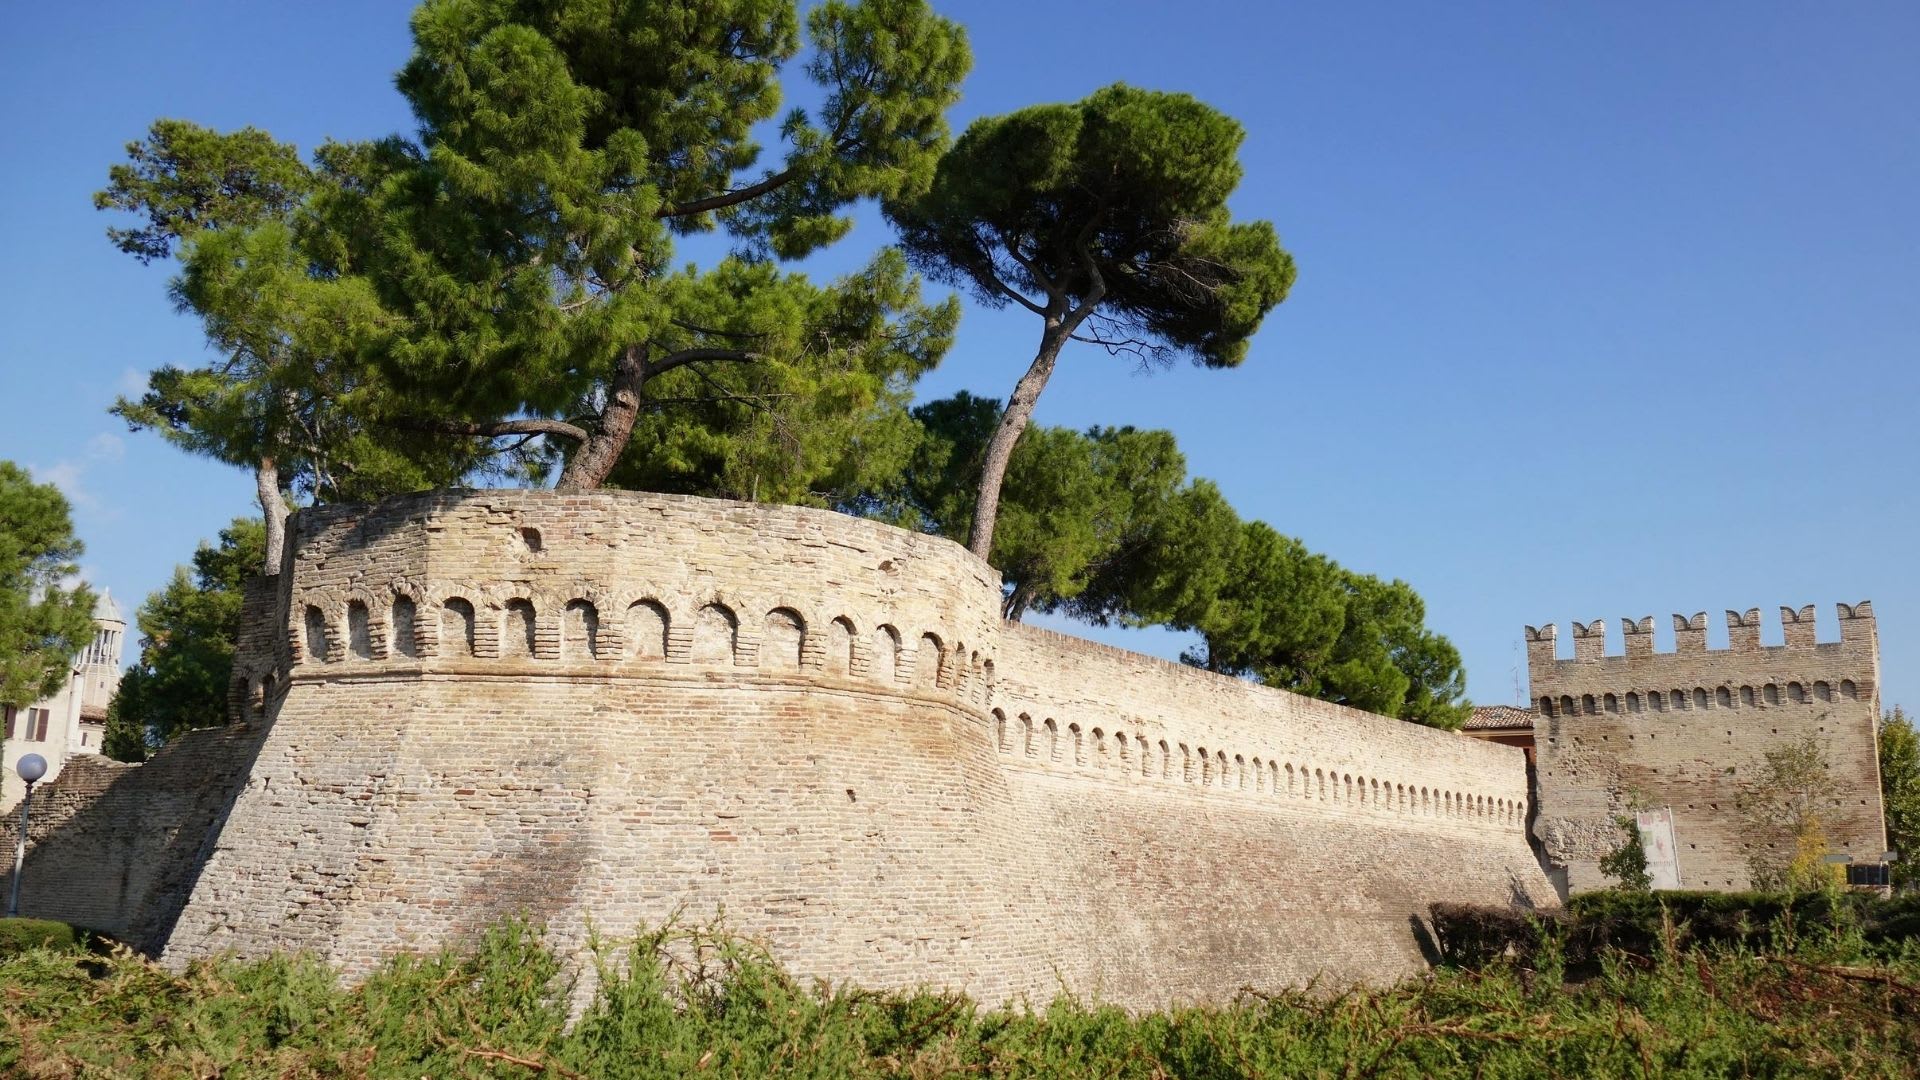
[1663, 855]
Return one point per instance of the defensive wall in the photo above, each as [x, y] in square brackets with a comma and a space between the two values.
[604, 709]
[1686, 729]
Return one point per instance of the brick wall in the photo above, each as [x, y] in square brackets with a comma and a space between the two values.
[602, 709]
[116, 847]
[1685, 729]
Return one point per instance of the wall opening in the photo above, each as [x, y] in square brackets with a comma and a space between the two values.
[886, 655]
[581, 638]
[517, 640]
[647, 629]
[456, 627]
[359, 631]
[716, 635]
[316, 633]
[404, 642]
[782, 640]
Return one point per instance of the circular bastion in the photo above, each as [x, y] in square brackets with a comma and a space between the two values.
[606, 710]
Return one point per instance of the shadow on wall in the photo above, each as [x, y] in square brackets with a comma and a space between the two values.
[119, 848]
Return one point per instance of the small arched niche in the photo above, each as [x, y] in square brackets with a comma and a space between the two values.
[716, 635]
[456, 627]
[316, 633]
[517, 637]
[405, 642]
[647, 629]
[838, 653]
[580, 631]
[359, 631]
[782, 640]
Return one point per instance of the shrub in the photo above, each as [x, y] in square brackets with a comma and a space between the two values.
[1627, 864]
[19, 935]
[680, 1003]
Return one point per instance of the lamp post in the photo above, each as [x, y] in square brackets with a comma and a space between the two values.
[31, 768]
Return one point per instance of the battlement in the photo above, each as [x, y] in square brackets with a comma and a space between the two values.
[1857, 628]
[1746, 673]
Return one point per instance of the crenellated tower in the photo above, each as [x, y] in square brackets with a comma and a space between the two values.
[1682, 729]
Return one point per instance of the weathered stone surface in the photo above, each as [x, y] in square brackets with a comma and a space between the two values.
[1686, 729]
[603, 709]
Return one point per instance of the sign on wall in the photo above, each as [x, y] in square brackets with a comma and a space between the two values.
[1663, 854]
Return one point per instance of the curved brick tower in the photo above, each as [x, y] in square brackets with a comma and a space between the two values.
[602, 709]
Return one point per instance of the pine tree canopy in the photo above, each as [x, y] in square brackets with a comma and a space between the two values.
[1108, 219]
[498, 293]
[1116, 205]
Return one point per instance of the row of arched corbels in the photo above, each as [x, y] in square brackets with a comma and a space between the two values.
[1701, 697]
[589, 623]
[1131, 756]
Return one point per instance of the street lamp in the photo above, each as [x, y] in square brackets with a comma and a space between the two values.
[31, 768]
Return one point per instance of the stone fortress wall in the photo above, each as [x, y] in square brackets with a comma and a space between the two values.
[1683, 729]
[604, 709]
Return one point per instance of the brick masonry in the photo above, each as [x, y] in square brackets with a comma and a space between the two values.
[1683, 729]
[604, 709]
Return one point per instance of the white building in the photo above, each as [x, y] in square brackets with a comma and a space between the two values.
[73, 721]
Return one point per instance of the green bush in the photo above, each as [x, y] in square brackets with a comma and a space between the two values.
[19, 935]
[677, 1003]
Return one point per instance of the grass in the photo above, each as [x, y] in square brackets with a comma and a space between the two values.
[688, 1003]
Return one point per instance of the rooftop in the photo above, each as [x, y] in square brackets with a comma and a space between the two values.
[1499, 718]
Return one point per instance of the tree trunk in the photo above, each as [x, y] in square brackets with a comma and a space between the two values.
[1015, 607]
[1026, 393]
[266, 480]
[591, 464]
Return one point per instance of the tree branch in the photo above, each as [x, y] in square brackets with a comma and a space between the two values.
[728, 198]
[529, 426]
[693, 356]
[1046, 283]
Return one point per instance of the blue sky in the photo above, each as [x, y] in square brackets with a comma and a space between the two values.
[1603, 310]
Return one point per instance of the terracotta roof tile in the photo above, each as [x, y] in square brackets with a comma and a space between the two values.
[1499, 718]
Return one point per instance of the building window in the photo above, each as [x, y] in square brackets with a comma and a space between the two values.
[12, 714]
[40, 733]
[1871, 874]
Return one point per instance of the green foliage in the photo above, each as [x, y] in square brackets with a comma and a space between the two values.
[1110, 216]
[679, 1003]
[1118, 202]
[1627, 864]
[497, 297]
[189, 630]
[44, 623]
[1267, 608]
[1900, 791]
[1105, 526]
[19, 935]
[564, 146]
[1077, 506]
[288, 397]
[815, 432]
[1847, 926]
[1780, 805]
[185, 179]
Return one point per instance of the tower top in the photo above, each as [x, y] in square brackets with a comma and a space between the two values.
[106, 610]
